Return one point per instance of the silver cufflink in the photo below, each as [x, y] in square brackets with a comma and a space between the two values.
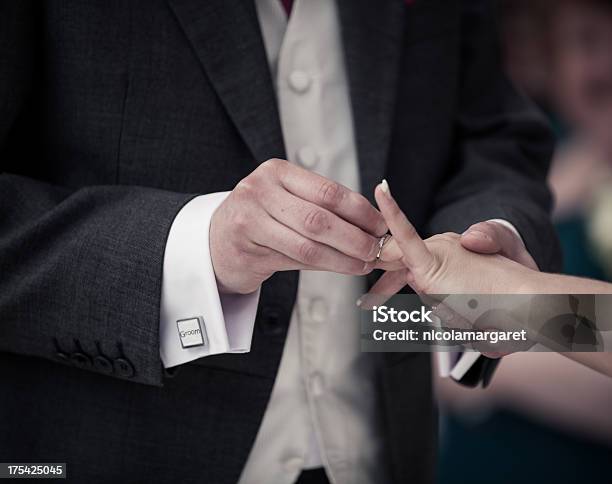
[192, 332]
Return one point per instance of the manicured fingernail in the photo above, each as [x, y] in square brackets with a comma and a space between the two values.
[384, 186]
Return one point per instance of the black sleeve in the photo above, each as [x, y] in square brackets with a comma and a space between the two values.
[503, 147]
[80, 269]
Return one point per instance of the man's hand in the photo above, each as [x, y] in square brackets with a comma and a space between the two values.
[494, 238]
[282, 217]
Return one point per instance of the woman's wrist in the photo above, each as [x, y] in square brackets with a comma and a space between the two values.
[534, 282]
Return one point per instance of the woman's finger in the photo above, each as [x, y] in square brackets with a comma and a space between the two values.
[416, 255]
[391, 252]
[388, 285]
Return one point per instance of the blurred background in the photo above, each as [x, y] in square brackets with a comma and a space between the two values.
[545, 418]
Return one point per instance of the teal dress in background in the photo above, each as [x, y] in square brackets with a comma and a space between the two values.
[577, 254]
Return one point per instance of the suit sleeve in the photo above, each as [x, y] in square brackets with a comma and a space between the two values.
[503, 147]
[80, 268]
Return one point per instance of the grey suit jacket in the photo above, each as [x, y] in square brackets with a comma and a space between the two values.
[114, 114]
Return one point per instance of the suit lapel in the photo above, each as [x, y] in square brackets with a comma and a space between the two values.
[372, 36]
[226, 38]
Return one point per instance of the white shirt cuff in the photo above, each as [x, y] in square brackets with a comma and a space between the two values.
[189, 291]
[508, 225]
[456, 364]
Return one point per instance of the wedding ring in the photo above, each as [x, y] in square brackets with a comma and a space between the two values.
[381, 244]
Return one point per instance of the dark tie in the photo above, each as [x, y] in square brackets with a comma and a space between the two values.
[287, 4]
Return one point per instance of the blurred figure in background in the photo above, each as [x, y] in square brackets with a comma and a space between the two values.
[545, 418]
[581, 86]
[523, 37]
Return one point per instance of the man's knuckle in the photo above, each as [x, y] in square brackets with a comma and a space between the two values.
[243, 186]
[354, 269]
[309, 253]
[246, 189]
[331, 194]
[274, 166]
[240, 222]
[270, 164]
[367, 248]
[316, 221]
[362, 268]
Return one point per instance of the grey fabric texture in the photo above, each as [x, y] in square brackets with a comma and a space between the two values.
[116, 113]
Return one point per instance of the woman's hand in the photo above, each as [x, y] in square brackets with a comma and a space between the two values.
[440, 265]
